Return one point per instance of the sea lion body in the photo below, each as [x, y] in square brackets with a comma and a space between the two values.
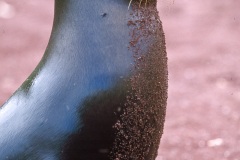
[71, 106]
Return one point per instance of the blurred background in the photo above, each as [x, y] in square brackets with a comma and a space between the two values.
[203, 43]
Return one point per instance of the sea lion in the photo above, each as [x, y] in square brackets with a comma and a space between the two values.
[98, 93]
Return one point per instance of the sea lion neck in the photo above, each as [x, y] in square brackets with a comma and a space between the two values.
[99, 92]
[90, 28]
[88, 40]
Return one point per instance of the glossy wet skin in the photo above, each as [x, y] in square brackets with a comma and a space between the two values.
[67, 107]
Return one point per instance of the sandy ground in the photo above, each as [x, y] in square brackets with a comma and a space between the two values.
[203, 115]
